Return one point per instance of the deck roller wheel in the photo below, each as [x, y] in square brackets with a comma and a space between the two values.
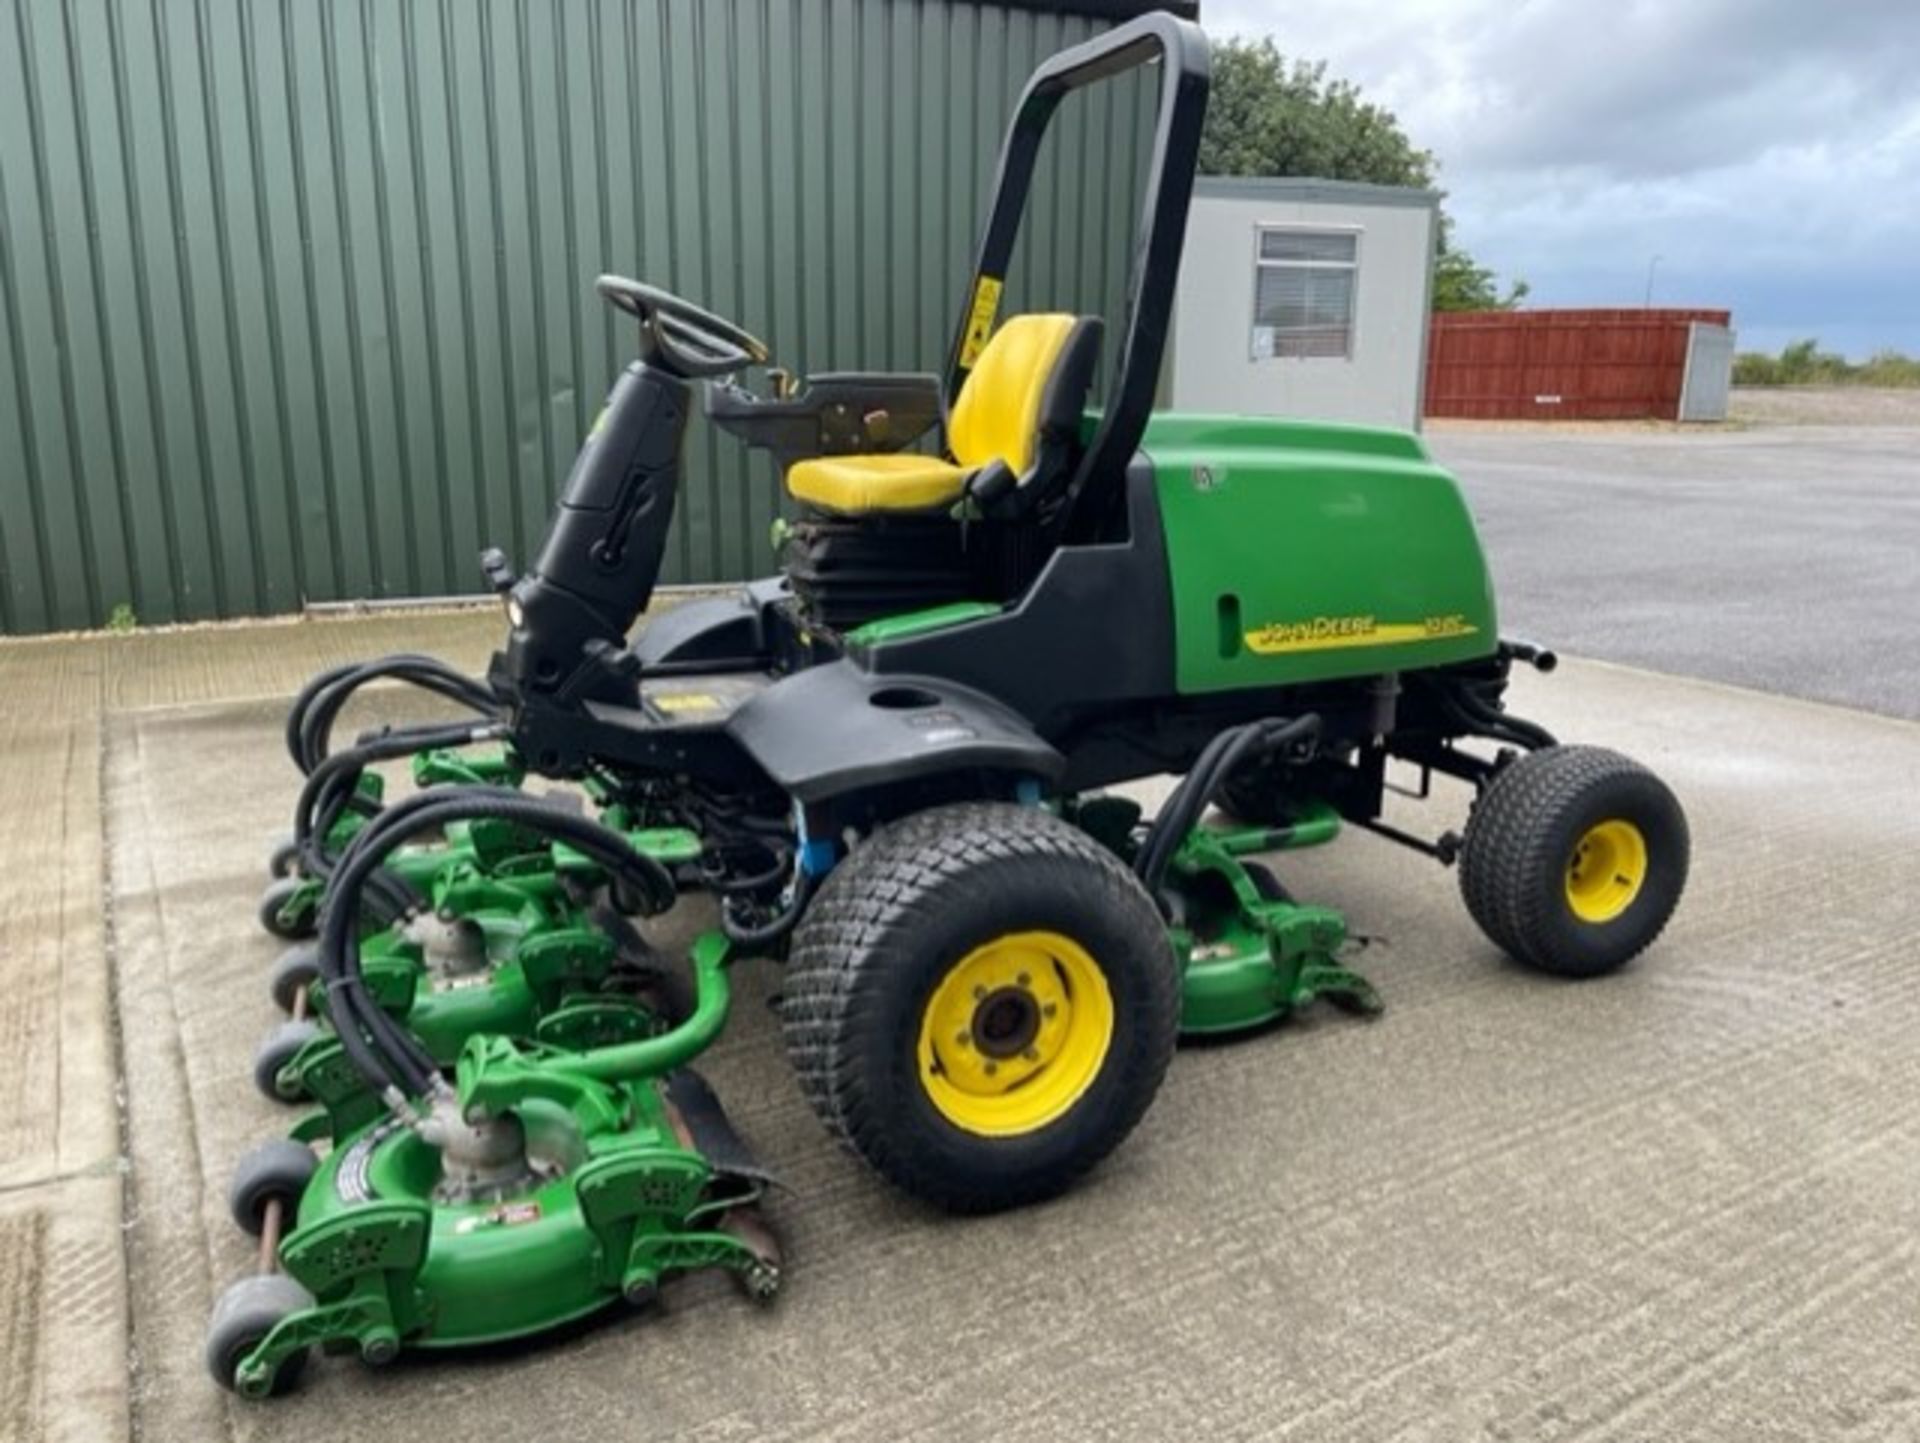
[242, 1318]
[289, 909]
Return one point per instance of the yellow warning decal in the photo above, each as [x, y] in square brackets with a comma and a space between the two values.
[684, 701]
[986, 305]
[1335, 633]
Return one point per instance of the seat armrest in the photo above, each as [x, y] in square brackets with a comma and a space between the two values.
[837, 413]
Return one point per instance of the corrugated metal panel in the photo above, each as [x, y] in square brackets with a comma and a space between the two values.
[297, 293]
[1560, 364]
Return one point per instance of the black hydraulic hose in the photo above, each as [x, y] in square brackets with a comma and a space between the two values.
[302, 703]
[1202, 777]
[311, 718]
[1529, 734]
[757, 881]
[1475, 716]
[1217, 761]
[390, 1056]
[338, 775]
[331, 787]
[766, 934]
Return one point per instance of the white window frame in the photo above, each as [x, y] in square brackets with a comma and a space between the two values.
[1260, 263]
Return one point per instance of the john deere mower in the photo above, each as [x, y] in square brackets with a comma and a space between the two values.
[899, 758]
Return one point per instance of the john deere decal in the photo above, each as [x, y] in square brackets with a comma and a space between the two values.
[1332, 633]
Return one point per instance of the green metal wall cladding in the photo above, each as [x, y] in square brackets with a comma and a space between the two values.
[297, 294]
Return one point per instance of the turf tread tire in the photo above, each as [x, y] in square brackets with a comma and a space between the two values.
[856, 940]
[1521, 830]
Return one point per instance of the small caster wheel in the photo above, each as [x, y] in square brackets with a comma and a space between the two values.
[289, 909]
[294, 970]
[284, 859]
[276, 1171]
[275, 1054]
[1574, 859]
[242, 1318]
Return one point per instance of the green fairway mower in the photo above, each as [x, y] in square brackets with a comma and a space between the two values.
[541, 1186]
[899, 754]
[515, 948]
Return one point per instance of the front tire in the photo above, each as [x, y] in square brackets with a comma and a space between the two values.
[981, 1003]
[1574, 860]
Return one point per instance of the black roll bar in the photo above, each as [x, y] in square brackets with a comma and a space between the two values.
[1186, 69]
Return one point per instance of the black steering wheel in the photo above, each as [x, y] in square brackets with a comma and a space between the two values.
[680, 336]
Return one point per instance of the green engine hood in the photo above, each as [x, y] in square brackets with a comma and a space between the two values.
[1303, 551]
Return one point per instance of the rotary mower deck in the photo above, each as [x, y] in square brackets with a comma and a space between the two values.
[889, 765]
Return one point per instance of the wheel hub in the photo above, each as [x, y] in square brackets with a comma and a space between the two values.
[1606, 871]
[1014, 1033]
[1006, 1022]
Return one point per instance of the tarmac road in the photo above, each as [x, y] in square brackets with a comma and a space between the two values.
[1785, 558]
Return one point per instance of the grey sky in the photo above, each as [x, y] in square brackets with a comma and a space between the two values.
[1767, 151]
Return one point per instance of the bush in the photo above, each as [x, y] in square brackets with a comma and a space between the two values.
[1803, 363]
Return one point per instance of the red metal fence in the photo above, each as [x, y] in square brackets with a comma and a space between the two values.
[1567, 364]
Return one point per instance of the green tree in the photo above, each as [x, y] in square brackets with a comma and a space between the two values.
[1269, 116]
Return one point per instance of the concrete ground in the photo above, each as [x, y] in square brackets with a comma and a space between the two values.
[1678, 1203]
[1785, 557]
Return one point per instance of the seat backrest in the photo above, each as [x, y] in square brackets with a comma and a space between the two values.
[1027, 390]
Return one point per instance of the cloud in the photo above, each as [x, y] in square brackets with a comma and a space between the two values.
[1767, 151]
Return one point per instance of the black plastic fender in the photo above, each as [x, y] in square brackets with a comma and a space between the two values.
[834, 729]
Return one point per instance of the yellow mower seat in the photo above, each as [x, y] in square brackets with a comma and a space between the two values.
[1032, 374]
[895, 481]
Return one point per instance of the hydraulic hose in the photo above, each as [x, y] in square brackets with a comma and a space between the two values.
[379, 1048]
[332, 786]
[1218, 760]
[311, 718]
[747, 936]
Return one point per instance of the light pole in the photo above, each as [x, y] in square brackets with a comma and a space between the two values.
[1652, 264]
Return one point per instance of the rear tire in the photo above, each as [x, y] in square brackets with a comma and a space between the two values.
[981, 1003]
[1574, 859]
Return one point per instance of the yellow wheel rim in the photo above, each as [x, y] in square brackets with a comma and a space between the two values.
[1015, 1033]
[1606, 871]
